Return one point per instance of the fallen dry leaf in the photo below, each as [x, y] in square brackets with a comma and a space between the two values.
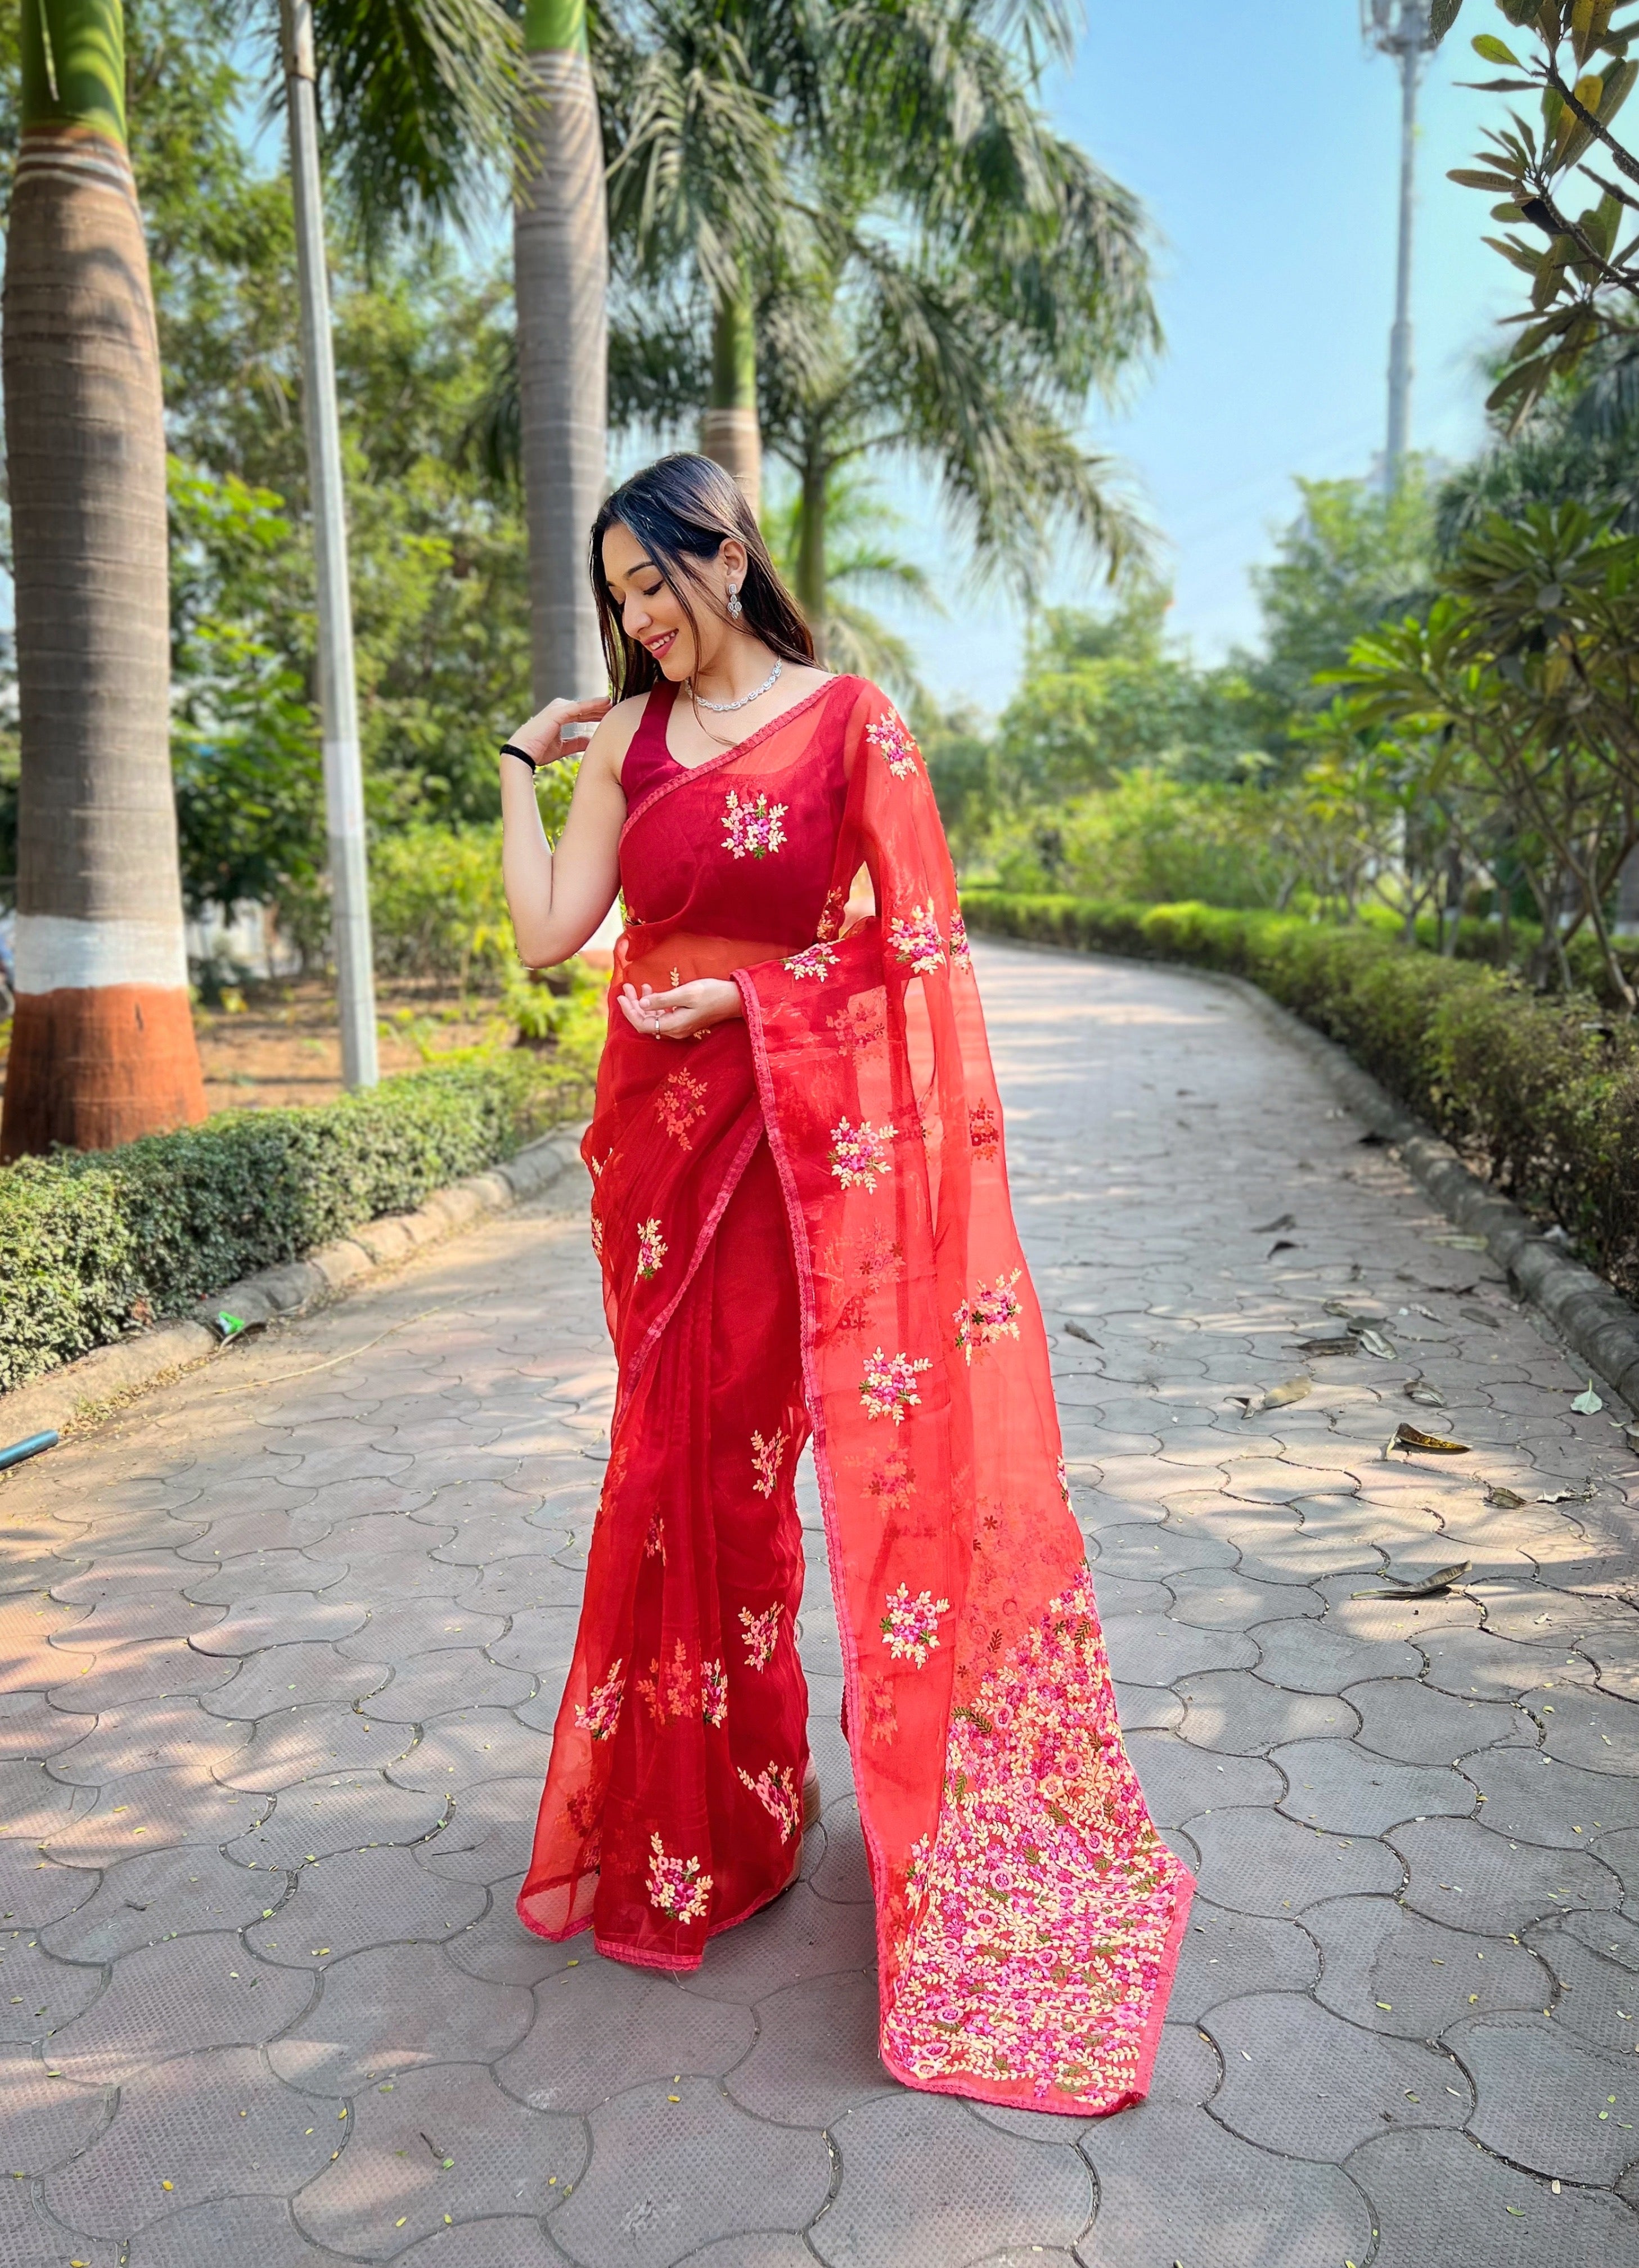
[1418, 1389]
[1453, 1242]
[1290, 1389]
[1079, 1331]
[1504, 1499]
[1373, 1342]
[1268, 1228]
[1589, 1404]
[1431, 1586]
[1432, 1444]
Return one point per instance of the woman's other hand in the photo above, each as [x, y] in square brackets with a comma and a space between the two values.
[683, 1012]
[562, 728]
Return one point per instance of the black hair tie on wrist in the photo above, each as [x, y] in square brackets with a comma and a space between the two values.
[511, 748]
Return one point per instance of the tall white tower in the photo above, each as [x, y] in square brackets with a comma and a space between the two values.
[1400, 28]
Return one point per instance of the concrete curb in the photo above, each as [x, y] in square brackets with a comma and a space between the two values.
[1595, 1321]
[80, 1391]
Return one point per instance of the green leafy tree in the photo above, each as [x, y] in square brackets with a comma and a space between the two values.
[1583, 266]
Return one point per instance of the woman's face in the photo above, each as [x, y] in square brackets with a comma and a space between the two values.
[649, 613]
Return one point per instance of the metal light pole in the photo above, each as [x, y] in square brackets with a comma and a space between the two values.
[338, 692]
[1401, 31]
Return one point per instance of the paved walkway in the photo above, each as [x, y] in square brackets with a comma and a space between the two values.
[281, 1650]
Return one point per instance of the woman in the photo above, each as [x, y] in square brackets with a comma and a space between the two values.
[800, 1203]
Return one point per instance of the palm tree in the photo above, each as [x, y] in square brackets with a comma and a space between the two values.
[561, 262]
[417, 94]
[699, 95]
[102, 1048]
[893, 249]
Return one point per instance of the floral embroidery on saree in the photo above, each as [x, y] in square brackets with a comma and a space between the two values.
[862, 1025]
[894, 744]
[765, 1461]
[751, 828]
[682, 1103]
[984, 1132]
[761, 1633]
[914, 937]
[1043, 1911]
[775, 1788]
[816, 960]
[714, 1692]
[676, 1886]
[888, 1389]
[651, 1250]
[860, 1154]
[961, 952]
[992, 1314]
[602, 1711]
[910, 1628]
[654, 1542]
[669, 1692]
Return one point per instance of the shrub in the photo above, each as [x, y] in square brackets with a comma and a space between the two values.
[1149, 837]
[93, 1244]
[1542, 1093]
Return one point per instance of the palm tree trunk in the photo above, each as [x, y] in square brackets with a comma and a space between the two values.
[729, 431]
[561, 257]
[102, 1049]
[811, 578]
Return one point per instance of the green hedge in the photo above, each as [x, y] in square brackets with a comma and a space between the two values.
[92, 1245]
[1541, 1094]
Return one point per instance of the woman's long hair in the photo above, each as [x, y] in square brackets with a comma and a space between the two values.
[682, 509]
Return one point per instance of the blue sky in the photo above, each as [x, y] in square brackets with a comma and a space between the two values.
[1263, 141]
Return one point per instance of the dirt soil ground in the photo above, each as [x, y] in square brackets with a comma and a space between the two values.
[279, 1043]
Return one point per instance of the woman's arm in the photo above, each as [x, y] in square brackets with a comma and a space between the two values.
[557, 898]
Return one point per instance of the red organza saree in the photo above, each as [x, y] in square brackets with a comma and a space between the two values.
[804, 1221]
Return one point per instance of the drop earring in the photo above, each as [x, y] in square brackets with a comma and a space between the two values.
[735, 609]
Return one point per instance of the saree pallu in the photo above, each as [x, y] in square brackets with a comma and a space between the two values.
[1029, 1917]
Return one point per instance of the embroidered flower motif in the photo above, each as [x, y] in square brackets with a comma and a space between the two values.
[916, 1870]
[714, 1692]
[765, 1457]
[775, 1788]
[669, 1692]
[961, 952]
[860, 1025]
[752, 829]
[682, 1101]
[651, 1250]
[597, 1236]
[984, 1131]
[584, 1810]
[676, 1886]
[888, 1389]
[882, 1717]
[911, 1626]
[816, 960]
[914, 937]
[890, 1482]
[761, 1633]
[894, 744]
[654, 1542]
[830, 921]
[860, 1153]
[602, 1713]
[1041, 1914]
[1064, 1483]
[597, 1164]
[992, 1314]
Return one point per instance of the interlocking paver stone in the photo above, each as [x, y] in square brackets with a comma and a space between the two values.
[432, 2143]
[921, 2173]
[1549, 2102]
[667, 2175]
[600, 2026]
[363, 1585]
[1299, 2080]
[1441, 2202]
[1173, 2185]
[1394, 1972]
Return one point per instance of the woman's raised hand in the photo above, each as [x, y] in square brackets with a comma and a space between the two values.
[562, 728]
[685, 1011]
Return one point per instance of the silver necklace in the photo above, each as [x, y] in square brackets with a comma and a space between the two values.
[722, 708]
